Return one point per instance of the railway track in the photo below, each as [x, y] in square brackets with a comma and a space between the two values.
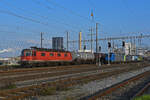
[24, 70]
[52, 71]
[37, 79]
[20, 93]
[119, 91]
[143, 90]
[41, 75]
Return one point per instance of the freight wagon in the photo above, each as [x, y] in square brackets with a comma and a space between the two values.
[118, 58]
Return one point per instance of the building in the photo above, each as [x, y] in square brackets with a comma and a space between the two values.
[142, 51]
[147, 54]
[9, 61]
[85, 51]
[57, 43]
[130, 49]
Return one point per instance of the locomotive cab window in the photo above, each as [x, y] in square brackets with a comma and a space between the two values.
[58, 54]
[51, 54]
[42, 54]
[65, 55]
[28, 54]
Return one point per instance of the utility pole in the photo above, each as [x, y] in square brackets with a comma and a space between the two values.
[141, 40]
[42, 40]
[98, 58]
[134, 46]
[80, 39]
[67, 40]
[113, 46]
[91, 39]
[91, 34]
[96, 37]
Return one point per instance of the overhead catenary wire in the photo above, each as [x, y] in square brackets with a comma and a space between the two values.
[69, 11]
[113, 38]
[33, 13]
[66, 9]
[39, 3]
[23, 10]
[46, 6]
[46, 17]
[19, 28]
[10, 31]
[39, 15]
[22, 17]
[25, 18]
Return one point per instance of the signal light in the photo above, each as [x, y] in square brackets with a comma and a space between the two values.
[99, 48]
[84, 47]
[123, 43]
[109, 45]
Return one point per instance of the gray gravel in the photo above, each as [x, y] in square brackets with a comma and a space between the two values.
[49, 79]
[84, 90]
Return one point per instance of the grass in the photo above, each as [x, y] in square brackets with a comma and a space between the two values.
[48, 91]
[12, 86]
[8, 86]
[144, 97]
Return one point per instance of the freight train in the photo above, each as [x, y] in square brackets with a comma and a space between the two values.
[50, 57]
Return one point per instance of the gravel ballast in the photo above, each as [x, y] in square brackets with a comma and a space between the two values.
[79, 91]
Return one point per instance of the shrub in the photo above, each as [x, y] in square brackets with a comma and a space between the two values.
[48, 91]
[144, 97]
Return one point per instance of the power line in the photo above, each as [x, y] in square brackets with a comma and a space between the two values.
[20, 28]
[48, 7]
[23, 17]
[21, 9]
[114, 38]
[32, 13]
[12, 31]
[66, 9]
[39, 3]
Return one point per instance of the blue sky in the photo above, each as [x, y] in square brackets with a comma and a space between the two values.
[55, 17]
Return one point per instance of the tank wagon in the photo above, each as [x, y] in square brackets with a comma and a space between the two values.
[83, 57]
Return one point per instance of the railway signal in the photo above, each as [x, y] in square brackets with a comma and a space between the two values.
[99, 57]
[84, 47]
[99, 48]
[123, 43]
[109, 45]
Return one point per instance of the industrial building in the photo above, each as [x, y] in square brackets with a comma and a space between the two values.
[57, 43]
[9, 61]
[130, 49]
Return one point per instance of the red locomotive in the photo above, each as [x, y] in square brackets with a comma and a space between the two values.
[45, 57]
